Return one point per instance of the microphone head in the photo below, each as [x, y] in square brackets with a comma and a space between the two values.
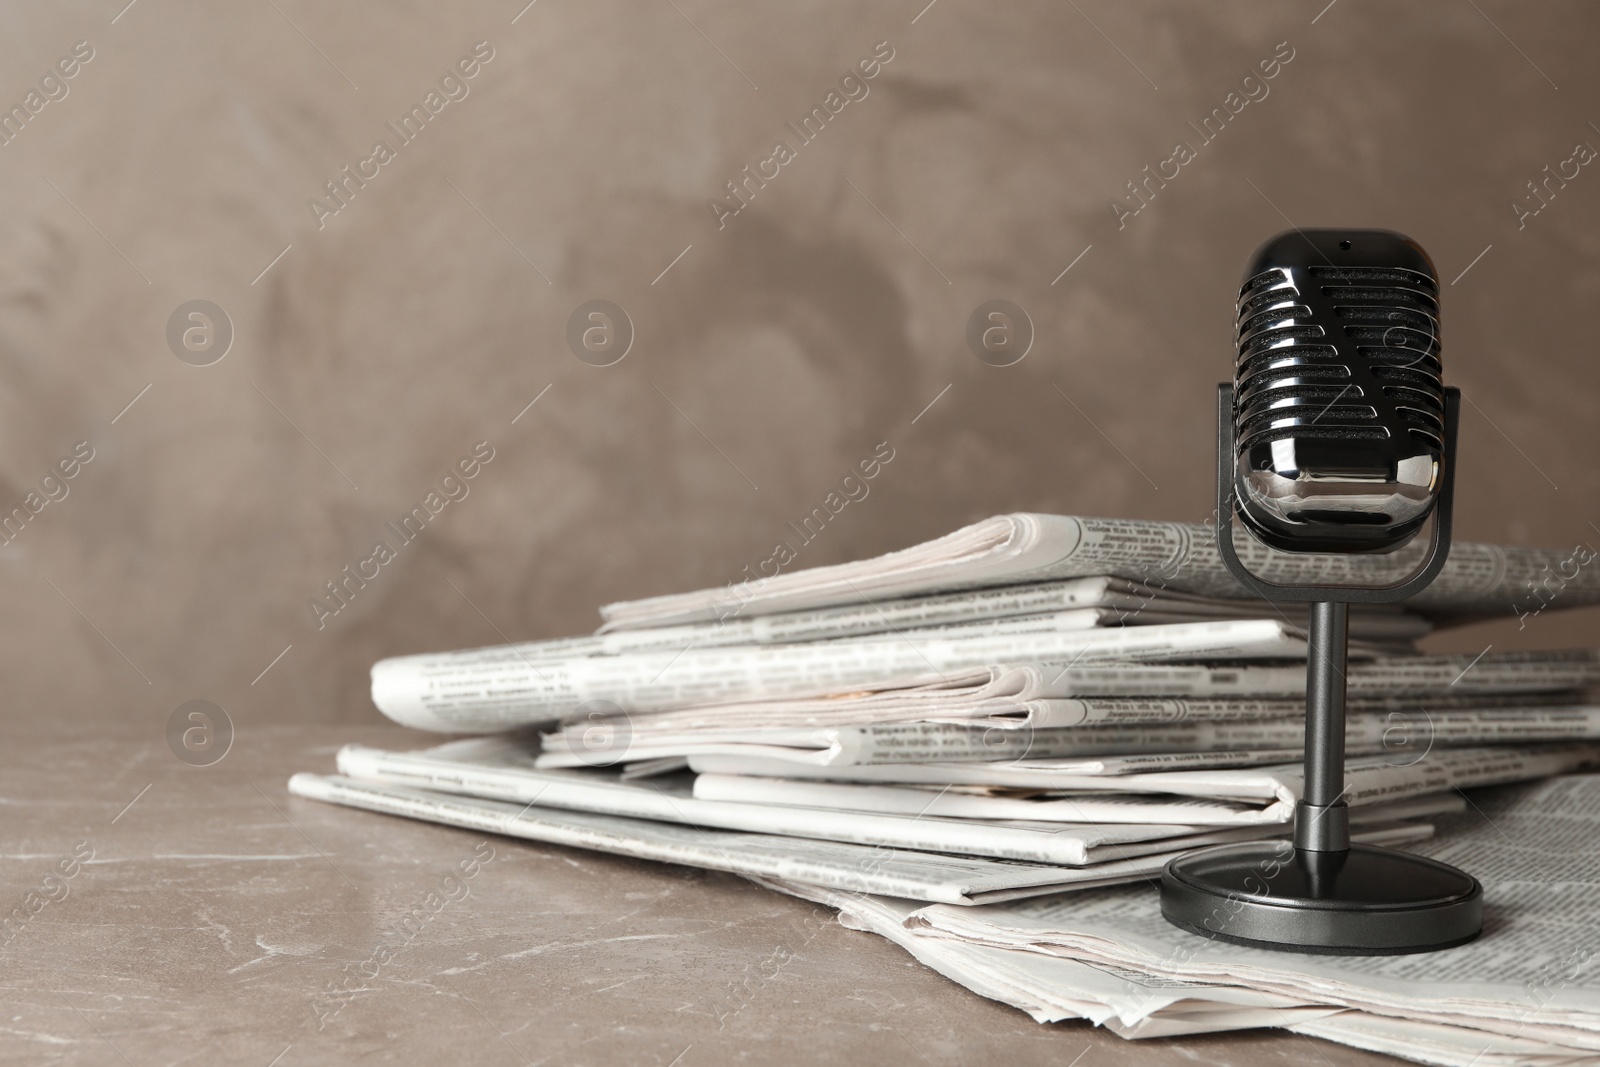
[1338, 398]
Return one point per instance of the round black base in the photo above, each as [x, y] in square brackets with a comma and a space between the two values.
[1367, 901]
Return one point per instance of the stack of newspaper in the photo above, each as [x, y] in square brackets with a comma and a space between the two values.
[943, 741]
[1526, 993]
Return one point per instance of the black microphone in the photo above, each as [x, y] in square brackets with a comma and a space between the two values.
[1337, 435]
[1339, 400]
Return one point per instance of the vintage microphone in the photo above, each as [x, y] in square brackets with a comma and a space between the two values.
[1336, 436]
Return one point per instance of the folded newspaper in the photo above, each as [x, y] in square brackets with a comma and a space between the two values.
[1278, 727]
[1015, 589]
[1526, 989]
[1056, 988]
[1526, 993]
[487, 690]
[1044, 695]
[1478, 579]
[972, 745]
[945, 877]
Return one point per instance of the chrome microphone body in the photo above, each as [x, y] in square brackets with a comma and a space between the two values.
[1338, 394]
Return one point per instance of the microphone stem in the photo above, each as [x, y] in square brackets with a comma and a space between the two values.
[1321, 819]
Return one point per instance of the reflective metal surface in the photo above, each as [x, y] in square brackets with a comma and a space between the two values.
[1340, 404]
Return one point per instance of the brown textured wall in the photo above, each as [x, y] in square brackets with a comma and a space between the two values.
[772, 356]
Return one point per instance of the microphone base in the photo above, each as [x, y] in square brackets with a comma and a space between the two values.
[1364, 901]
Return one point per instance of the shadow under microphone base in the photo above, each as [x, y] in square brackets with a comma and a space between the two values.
[1321, 894]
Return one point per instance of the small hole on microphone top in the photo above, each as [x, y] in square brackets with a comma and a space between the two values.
[1345, 245]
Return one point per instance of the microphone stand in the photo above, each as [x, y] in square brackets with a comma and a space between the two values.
[1322, 822]
[1323, 894]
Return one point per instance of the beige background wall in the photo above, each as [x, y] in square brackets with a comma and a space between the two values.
[770, 358]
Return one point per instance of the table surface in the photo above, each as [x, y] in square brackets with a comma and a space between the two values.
[221, 920]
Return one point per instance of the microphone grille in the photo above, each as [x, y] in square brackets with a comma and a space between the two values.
[1338, 353]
